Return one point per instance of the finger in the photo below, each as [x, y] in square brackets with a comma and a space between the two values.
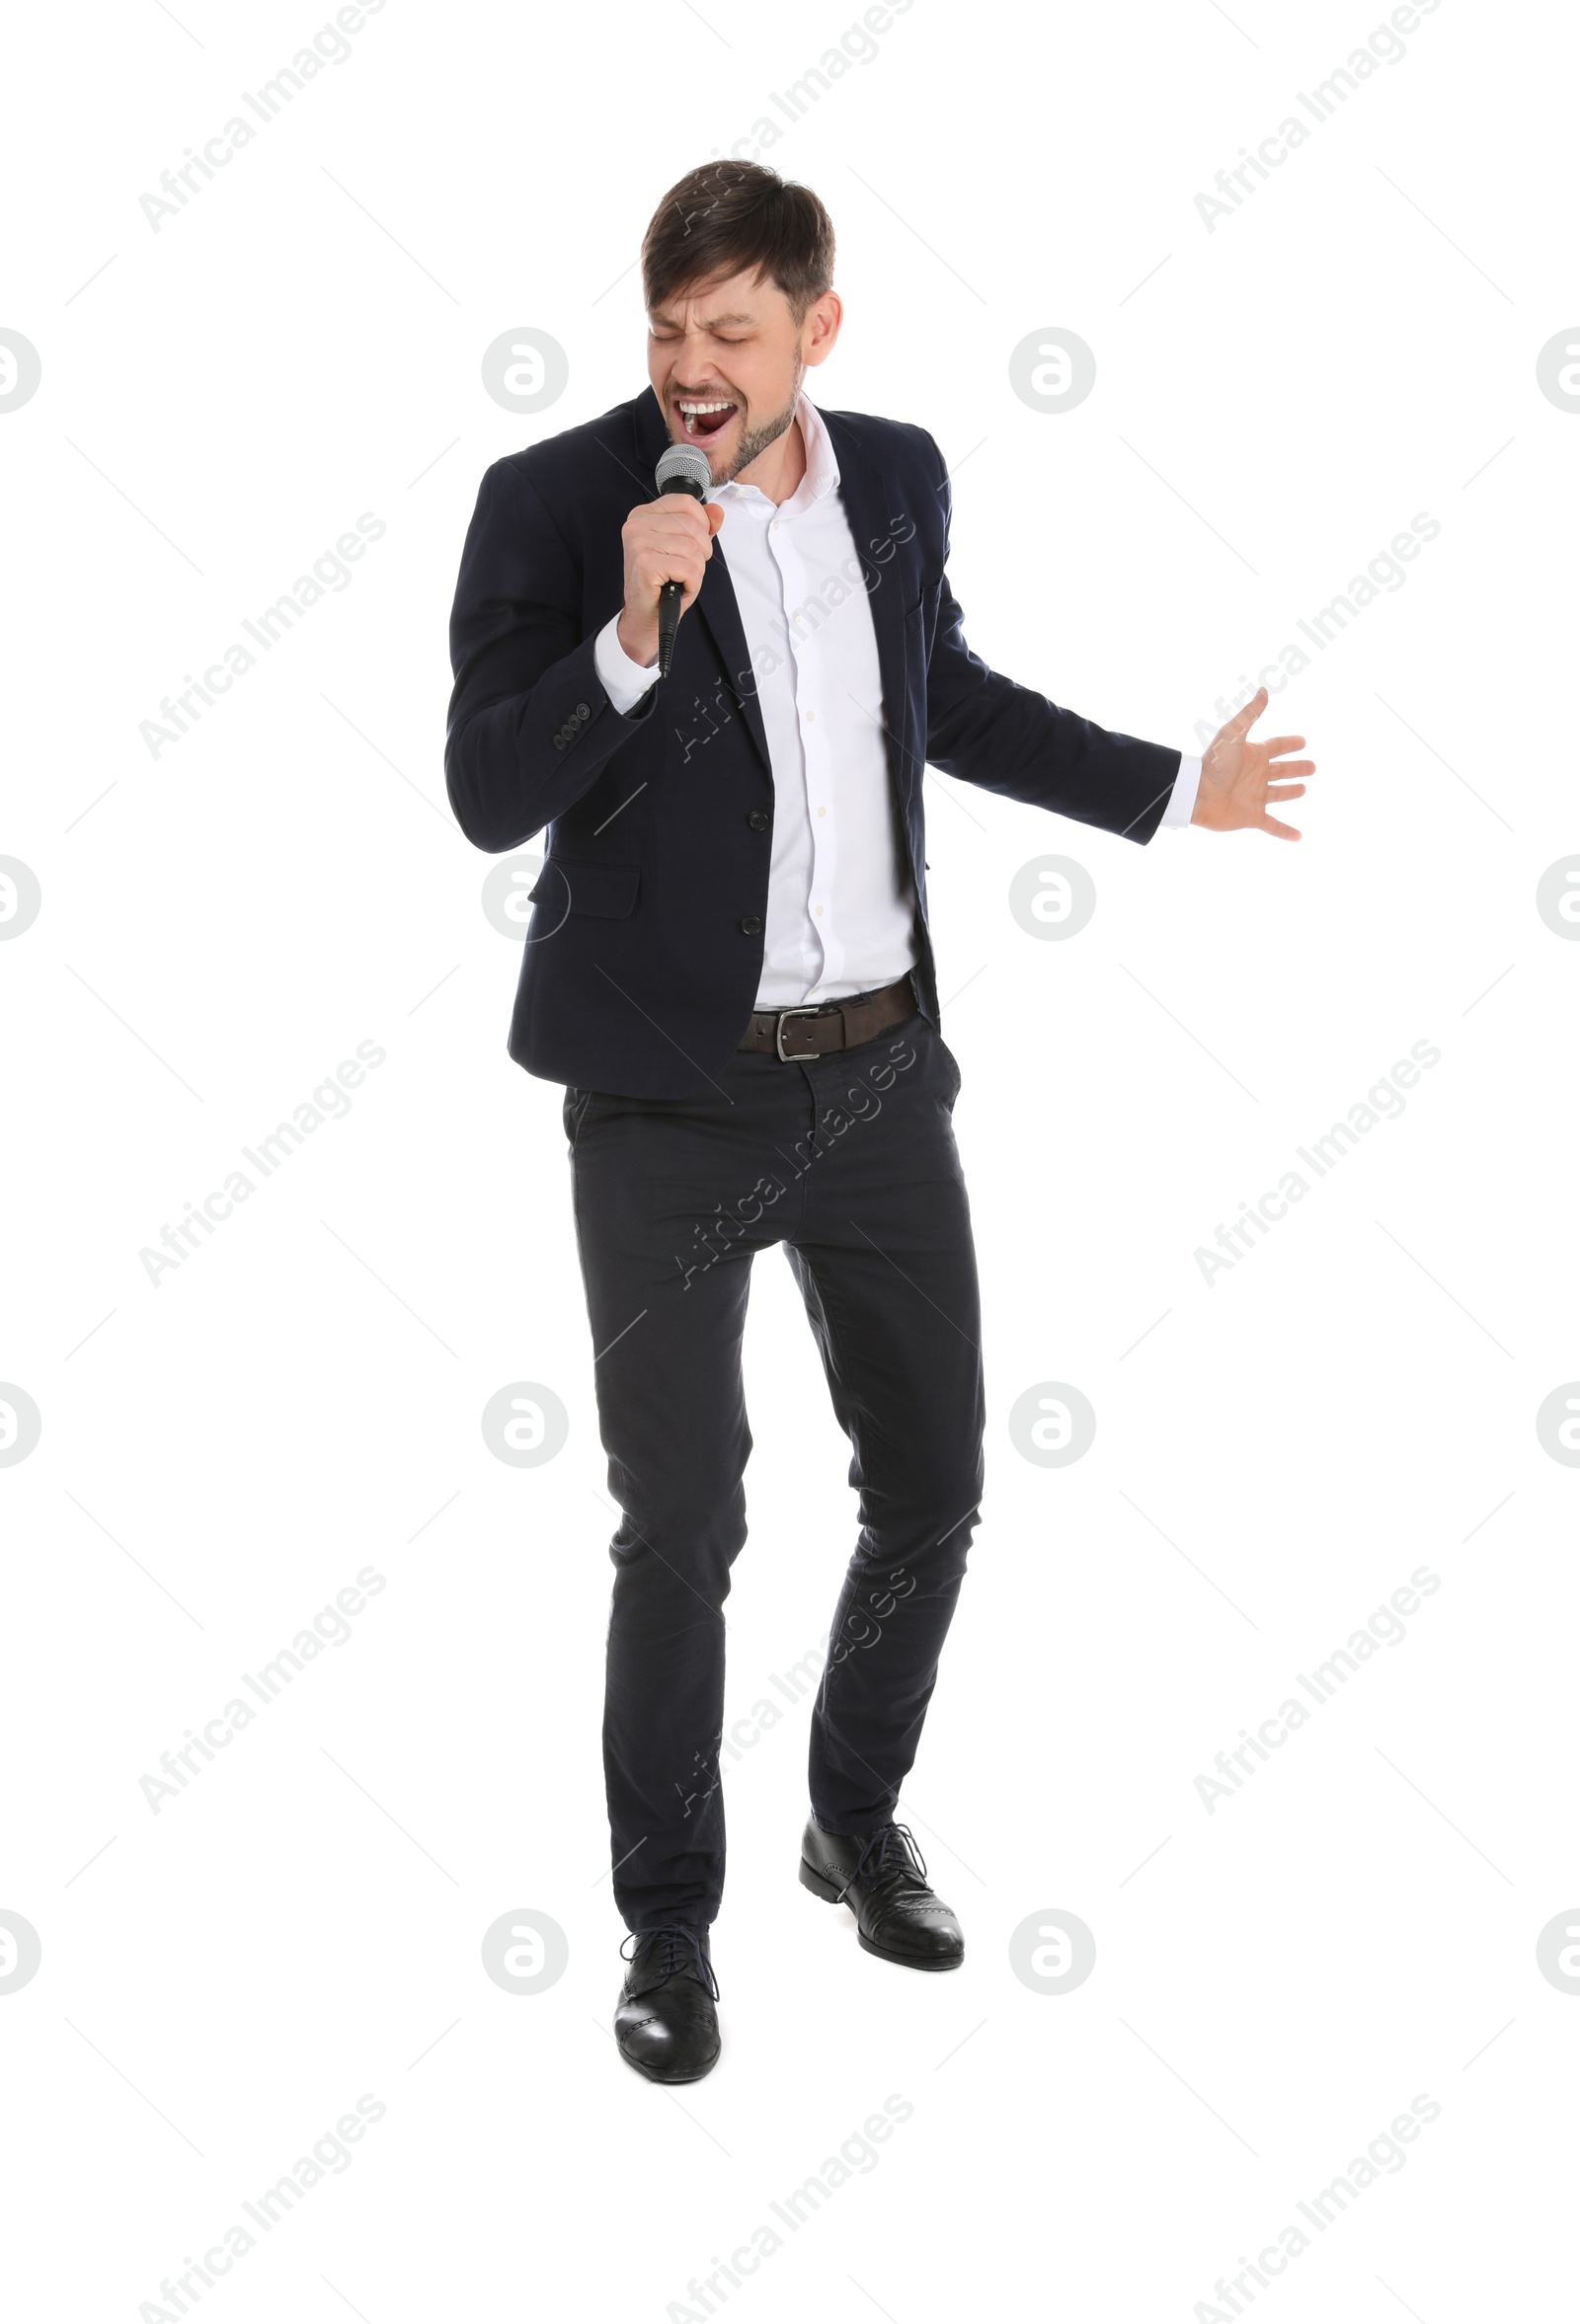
[681, 542]
[672, 508]
[1281, 742]
[1281, 771]
[1279, 830]
[676, 556]
[1282, 791]
[1248, 717]
[659, 578]
[675, 516]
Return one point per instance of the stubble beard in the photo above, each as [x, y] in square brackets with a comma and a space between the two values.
[755, 441]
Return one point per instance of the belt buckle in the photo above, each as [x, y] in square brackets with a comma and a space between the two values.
[802, 1009]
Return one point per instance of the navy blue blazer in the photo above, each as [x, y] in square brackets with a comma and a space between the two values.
[644, 952]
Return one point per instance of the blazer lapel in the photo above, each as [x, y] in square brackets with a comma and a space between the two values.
[865, 496]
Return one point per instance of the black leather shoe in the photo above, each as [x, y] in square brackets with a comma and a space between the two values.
[880, 1875]
[664, 2020]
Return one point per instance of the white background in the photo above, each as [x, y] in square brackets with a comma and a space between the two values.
[220, 1455]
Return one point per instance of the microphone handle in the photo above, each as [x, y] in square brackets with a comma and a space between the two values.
[668, 622]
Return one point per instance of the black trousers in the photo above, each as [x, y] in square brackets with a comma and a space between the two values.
[848, 1160]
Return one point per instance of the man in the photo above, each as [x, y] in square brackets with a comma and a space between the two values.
[728, 968]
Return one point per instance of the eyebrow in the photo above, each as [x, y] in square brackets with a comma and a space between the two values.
[713, 322]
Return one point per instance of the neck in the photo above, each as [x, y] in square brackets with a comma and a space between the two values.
[779, 471]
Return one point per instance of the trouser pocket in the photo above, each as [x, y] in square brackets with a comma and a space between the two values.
[574, 1111]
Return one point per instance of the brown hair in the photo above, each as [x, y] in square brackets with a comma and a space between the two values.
[730, 217]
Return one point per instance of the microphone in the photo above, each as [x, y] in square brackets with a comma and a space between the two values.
[681, 469]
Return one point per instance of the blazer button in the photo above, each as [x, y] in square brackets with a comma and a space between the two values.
[752, 927]
[757, 820]
[582, 710]
[559, 742]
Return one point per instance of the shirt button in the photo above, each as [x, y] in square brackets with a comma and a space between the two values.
[811, 714]
[752, 927]
[819, 911]
[822, 810]
[758, 821]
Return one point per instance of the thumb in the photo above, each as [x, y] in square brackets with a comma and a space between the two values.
[1247, 718]
[714, 515]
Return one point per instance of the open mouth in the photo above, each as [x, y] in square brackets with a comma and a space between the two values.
[703, 416]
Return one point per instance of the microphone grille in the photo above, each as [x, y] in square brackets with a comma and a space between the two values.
[685, 464]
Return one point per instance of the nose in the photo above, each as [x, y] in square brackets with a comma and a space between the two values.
[692, 342]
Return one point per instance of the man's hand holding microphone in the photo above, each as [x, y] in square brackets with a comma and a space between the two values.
[668, 543]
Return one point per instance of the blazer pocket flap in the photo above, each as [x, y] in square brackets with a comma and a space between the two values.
[606, 890]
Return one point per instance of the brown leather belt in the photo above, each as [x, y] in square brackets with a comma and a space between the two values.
[814, 1027]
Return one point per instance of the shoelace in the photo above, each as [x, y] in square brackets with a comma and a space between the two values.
[677, 1950]
[890, 1859]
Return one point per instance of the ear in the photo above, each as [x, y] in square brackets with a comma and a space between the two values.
[824, 317]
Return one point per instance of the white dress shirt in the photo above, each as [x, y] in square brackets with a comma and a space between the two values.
[841, 902]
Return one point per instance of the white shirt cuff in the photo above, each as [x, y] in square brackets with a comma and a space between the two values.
[1182, 799]
[624, 682]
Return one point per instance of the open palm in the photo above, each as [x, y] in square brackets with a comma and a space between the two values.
[1240, 777]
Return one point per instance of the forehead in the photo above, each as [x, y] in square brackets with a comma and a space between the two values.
[725, 304]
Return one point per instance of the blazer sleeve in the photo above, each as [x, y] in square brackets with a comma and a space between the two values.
[531, 724]
[985, 728]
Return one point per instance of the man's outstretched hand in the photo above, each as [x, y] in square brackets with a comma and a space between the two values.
[1238, 777]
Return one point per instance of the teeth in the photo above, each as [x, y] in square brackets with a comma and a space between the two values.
[687, 406]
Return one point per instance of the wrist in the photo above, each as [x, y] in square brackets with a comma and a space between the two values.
[639, 643]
